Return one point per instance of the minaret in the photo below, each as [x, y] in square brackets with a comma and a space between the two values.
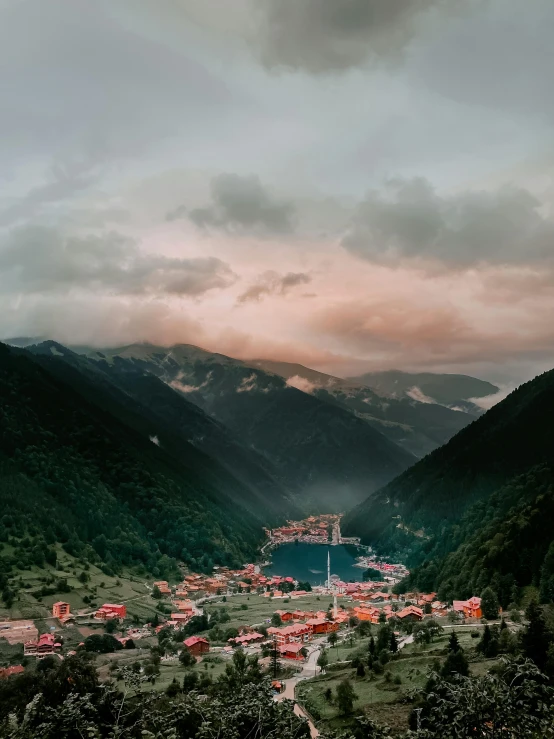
[328, 569]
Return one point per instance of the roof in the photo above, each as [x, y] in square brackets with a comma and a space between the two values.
[294, 648]
[61, 603]
[192, 640]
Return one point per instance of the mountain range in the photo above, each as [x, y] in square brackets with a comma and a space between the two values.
[328, 456]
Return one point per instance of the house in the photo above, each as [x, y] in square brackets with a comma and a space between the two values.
[197, 645]
[289, 634]
[322, 625]
[470, 608]
[291, 651]
[410, 613]
[180, 618]
[364, 613]
[6, 672]
[61, 610]
[111, 610]
[285, 615]
[163, 587]
[253, 638]
[185, 606]
[46, 644]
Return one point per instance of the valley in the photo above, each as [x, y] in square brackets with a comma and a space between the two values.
[161, 476]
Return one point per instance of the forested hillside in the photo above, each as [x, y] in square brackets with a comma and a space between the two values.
[74, 470]
[329, 456]
[475, 512]
[418, 427]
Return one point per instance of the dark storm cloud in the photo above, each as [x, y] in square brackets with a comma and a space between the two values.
[410, 220]
[242, 203]
[325, 35]
[42, 260]
[272, 283]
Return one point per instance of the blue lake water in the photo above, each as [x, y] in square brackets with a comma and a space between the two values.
[308, 562]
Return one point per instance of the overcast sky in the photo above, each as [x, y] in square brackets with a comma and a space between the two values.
[351, 184]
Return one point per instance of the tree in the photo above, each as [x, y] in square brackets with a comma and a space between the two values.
[536, 638]
[322, 660]
[156, 592]
[360, 669]
[489, 603]
[488, 644]
[186, 658]
[546, 589]
[305, 585]
[453, 643]
[332, 638]
[393, 646]
[276, 620]
[345, 697]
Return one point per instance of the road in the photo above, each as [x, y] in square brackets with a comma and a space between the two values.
[310, 669]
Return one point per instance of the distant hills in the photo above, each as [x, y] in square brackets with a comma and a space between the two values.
[475, 511]
[330, 457]
[410, 419]
[453, 391]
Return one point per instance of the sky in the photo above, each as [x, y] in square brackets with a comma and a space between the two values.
[349, 184]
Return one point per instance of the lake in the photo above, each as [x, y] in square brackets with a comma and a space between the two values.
[308, 562]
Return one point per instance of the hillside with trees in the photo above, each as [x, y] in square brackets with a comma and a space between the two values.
[483, 495]
[330, 457]
[77, 469]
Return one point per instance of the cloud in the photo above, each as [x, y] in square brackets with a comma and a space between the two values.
[40, 260]
[242, 203]
[409, 219]
[415, 393]
[248, 384]
[322, 36]
[64, 181]
[301, 383]
[179, 212]
[272, 283]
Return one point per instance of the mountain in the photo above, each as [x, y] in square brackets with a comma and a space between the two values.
[83, 463]
[453, 391]
[330, 457]
[482, 498]
[419, 427]
[153, 407]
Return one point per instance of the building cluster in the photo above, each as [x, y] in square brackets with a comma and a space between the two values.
[390, 572]
[314, 530]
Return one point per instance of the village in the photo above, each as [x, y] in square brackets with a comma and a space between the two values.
[320, 529]
[292, 615]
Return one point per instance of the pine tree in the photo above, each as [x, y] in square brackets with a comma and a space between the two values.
[547, 576]
[536, 638]
[489, 603]
[453, 643]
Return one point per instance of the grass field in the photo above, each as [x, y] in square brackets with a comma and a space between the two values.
[260, 609]
[381, 696]
[100, 588]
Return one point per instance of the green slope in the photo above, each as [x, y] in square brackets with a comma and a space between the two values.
[419, 511]
[76, 471]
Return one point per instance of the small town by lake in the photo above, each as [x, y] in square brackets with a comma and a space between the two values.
[308, 562]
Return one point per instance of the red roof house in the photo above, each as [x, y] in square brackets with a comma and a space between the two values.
[197, 645]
